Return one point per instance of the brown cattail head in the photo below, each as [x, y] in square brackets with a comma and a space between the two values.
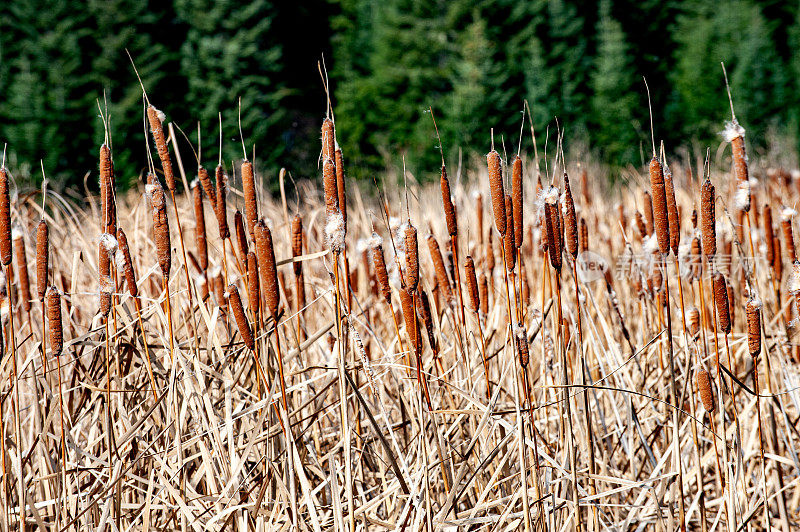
[341, 191]
[42, 256]
[769, 232]
[552, 224]
[106, 285]
[693, 317]
[54, 325]
[584, 235]
[221, 208]
[127, 264]
[208, 186]
[156, 117]
[379, 263]
[721, 301]
[5, 219]
[412, 258]
[788, 234]
[22, 269]
[439, 268]
[640, 225]
[330, 186]
[410, 318]
[250, 203]
[673, 214]
[570, 220]
[328, 139]
[447, 204]
[516, 195]
[107, 192]
[522, 345]
[253, 284]
[660, 217]
[297, 242]
[267, 268]
[495, 164]
[647, 200]
[490, 251]
[160, 227]
[731, 302]
[200, 226]
[754, 326]
[735, 134]
[241, 236]
[509, 245]
[695, 258]
[708, 218]
[484, 294]
[472, 284]
[479, 215]
[777, 262]
[424, 306]
[705, 390]
[242, 323]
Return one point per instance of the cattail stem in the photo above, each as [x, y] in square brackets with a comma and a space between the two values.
[18, 436]
[165, 283]
[138, 305]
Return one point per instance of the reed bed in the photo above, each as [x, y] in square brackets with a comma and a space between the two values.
[592, 383]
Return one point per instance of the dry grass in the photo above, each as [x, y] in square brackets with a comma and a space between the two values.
[273, 419]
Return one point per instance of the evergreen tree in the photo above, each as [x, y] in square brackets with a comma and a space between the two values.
[613, 93]
[228, 55]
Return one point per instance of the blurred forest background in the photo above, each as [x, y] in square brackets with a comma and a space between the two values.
[473, 61]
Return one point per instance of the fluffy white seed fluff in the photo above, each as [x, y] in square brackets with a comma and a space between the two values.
[106, 284]
[788, 213]
[742, 198]
[793, 285]
[732, 130]
[551, 195]
[108, 241]
[160, 114]
[334, 231]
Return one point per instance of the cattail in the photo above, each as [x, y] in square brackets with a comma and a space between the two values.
[156, 117]
[647, 199]
[472, 284]
[522, 345]
[22, 269]
[673, 214]
[328, 139]
[788, 236]
[660, 217]
[694, 321]
[235, 302]
[694, 218]
[640, 225]
[495, 164]
[42, 256]
[161, 227]
[341, 192]
[250, 203]
[106, 284]
[484, 294]
[439, 268]
[330, 187]
[380, 268]
[127, 264]
[410, 318]
[570, 221]
[695, 258]
[241, 236]
[297, 242]
[412, 258]
[706, 393]
[721, 301]
[708, 218]
[208, 186]
[5, 219]
[584, 235]
[109, 210]
[218, 285]
[754, 326]
[200, 226]
[267, 267]
[509, 245]
[221, 208]
[734, 133]
[769, 232]
[447, 203]
[731, 302]
[253, 285]
[777, 259]
[516, 194]
[554, 242]
[54, 321]
[424, 306]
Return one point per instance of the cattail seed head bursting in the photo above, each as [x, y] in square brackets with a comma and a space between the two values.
[705, 390]
[495, 164]
[754, 326]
